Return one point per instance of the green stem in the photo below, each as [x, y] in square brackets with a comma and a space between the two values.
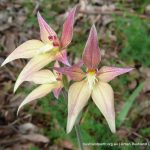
[78, 133]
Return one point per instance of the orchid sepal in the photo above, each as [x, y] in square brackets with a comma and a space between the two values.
[107, 74]
[78, 96]
[37, 93]
[45, 30]
[57, 92]
[103, 97]
[49, 82]
[67, 32]
[74, 72]
[35, 64]
[91, 55]
[62, 57]
[26, 50]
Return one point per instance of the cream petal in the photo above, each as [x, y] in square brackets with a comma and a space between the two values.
[103, 97]
[26, 50]
[35, 64]
[78, 96]
[37, 93]
[45, 48]
[106, 74]
[42, 77]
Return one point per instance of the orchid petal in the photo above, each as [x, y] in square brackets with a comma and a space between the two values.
[45, 30]
[106, 74]
[78, 96]
[26, 50]
[42, 77]
[62, 57]
[56, 92]
[67, 32]
[39, 92]
[91, 55]
[73, 72]
[35, 64]
[103, 97]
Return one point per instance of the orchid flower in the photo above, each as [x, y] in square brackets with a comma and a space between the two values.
[92, 83]
[48, 82]
[43, 51]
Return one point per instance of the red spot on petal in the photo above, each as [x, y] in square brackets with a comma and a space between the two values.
[50, 37]
[56, 44]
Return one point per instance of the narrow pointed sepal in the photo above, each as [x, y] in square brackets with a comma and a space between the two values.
[73, 72]
[67, 32]
[62, 57]
[35, 64]
[91, 55]
[39, 92]
[106, 74]
[56, 92]
[26, 50]
[42, 77]
[45, 30]
[103, 97]
[78, 96]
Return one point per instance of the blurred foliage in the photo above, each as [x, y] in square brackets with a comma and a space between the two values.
[135, 39]
[127, 106]
[145, 131]
[34, 148]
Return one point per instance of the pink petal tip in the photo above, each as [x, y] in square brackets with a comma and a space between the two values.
[91, 54]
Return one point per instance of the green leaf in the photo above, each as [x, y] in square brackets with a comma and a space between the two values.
[124, 112]
[34, 148]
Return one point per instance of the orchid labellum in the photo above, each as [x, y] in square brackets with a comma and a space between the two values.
[43, 51]
[92, 83]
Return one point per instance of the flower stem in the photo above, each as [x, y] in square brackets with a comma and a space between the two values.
[78, 133]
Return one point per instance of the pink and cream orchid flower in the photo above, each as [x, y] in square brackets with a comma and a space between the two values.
[43, 51]
[92, 83]
[48, 82]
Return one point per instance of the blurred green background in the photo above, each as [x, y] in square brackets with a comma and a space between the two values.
[124, 37]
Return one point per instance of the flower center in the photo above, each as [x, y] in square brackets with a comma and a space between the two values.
[54, 40]
[91, 77]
